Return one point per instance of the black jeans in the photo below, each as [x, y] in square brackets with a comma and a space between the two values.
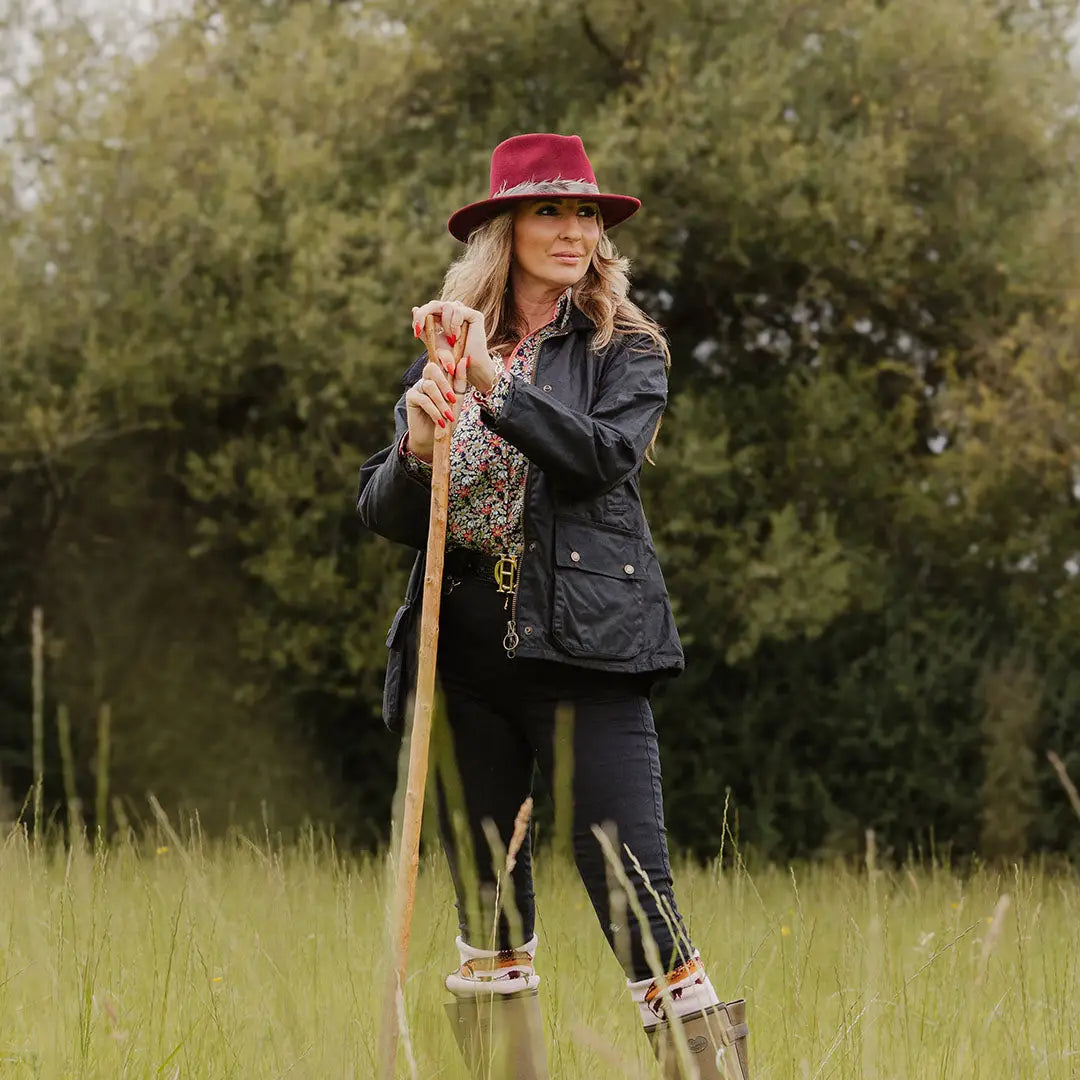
[501, 717]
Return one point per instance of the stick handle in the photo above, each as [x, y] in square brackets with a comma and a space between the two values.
[420, 739]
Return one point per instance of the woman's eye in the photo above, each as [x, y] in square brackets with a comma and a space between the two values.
[550, 208]
[588, 211]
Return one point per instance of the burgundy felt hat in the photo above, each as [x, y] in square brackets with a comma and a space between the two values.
[531, 166]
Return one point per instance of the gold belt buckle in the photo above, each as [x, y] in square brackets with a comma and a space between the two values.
[506, 573]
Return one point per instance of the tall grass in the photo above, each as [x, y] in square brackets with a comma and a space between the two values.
[178, 957]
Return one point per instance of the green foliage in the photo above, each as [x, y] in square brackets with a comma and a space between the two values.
[1011, 691]
[859, 231]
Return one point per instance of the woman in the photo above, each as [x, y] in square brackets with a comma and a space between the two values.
[552, 591]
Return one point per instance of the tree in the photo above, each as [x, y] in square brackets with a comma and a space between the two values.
[858, 230]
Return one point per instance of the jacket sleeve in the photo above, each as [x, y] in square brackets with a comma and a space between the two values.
[587, 454]
[391, 501]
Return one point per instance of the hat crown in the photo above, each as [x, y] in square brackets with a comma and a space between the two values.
[540, 165]
[536, 158]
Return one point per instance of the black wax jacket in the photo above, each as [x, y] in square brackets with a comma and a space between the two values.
[590, 589]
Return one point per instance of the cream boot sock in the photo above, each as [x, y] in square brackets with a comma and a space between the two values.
[502, 971]
[690, 988]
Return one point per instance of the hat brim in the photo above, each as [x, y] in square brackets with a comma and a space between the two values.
[614, 209]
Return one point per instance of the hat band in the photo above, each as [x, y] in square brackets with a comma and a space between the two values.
[558, 186]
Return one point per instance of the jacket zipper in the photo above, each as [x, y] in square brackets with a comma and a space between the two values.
[512, 640]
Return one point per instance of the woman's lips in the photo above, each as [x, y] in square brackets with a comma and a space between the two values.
[567, 258]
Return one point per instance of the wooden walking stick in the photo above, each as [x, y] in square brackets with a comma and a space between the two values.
[409, 852]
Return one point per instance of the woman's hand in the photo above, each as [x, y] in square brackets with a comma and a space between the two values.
[453, 316]
[433, 399]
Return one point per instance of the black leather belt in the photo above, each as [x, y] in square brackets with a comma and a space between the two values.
[465, 562]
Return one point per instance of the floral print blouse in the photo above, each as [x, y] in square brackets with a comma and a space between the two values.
[487, 474]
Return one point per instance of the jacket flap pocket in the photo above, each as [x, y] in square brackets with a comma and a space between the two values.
[582, 545]
[395, 639]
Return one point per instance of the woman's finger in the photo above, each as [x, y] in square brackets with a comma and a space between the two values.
[446, 316]
[446, 359]
[420, 314]
[442, 401]
[461, 376]
[451, 321]
[441, 379]
[430, 407]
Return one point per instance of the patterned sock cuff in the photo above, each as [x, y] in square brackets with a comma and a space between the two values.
[690, 988]
[500, 971]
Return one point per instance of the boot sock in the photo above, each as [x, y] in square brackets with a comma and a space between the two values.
[503, 971]
[496, 1014]
[690, 989]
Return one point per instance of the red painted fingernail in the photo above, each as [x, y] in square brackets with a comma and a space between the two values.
[442, 423]
[416, 329]
[451, 339]
[449, 415]
[451, 397]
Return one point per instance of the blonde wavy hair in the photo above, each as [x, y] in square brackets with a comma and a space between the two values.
[480, 279]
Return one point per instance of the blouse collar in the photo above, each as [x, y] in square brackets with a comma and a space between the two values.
[563, 306]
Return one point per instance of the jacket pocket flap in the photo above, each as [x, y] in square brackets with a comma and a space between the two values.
[395, 638]
[581, 545]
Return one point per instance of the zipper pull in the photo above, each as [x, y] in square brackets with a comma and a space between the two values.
[511, 641]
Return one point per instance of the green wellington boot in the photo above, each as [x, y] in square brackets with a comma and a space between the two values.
[501, 1036]
[716, 1038]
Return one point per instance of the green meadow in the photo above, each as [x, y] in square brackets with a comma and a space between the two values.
[245, 957]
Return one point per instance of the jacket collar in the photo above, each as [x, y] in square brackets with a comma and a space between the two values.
[577, 320]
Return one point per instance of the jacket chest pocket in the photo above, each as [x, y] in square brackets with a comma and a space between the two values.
[598, 604]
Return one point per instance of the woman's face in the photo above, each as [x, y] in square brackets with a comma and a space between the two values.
[554, 240]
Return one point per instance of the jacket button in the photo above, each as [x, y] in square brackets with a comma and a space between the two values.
[532, 545]
[628, 569]
[547, 388]
[528, 630]
[575, 556]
